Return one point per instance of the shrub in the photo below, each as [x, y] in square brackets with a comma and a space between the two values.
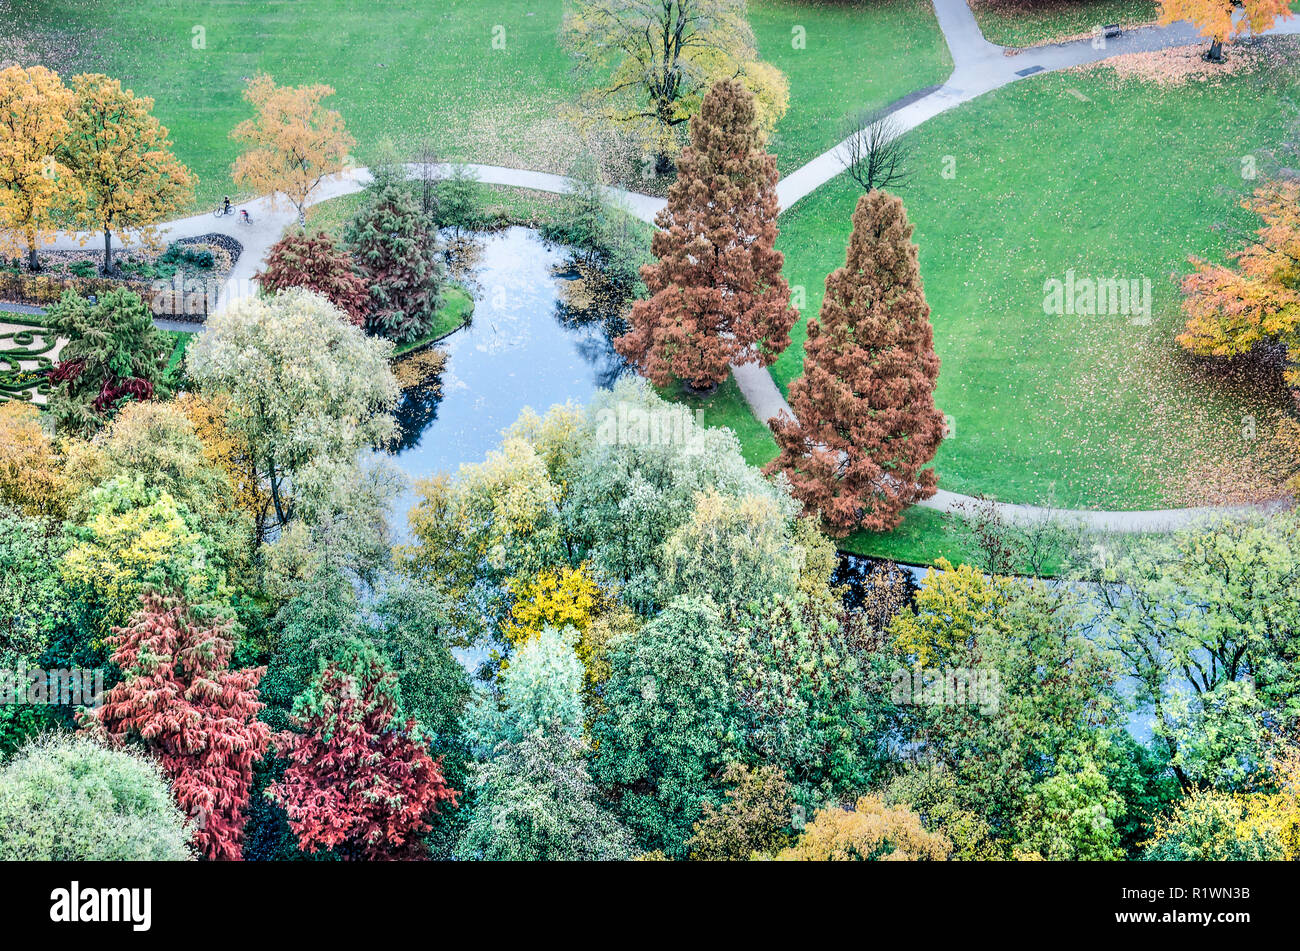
[66, 798]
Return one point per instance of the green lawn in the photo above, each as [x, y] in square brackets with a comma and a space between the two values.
[399, 68]
[1078, 412]
[1030, 22]
[407, 68]
[854, 55]
[180, 343]
[457, 306]
[501, 204]
[727, 407]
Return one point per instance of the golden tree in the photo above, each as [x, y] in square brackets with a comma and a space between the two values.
[35, 186]
[122, 158]
[294, 142]
[658, 58]
[31, 473]
[1231, 311]
[869, 832]
[1214, 18]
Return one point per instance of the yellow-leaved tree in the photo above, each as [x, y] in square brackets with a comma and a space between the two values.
[558, 598]
[35, 185]
[871, 831]
[1216, 19]
[656, 59]
[228, 449]
[122, 159]
[293, 142]
[31, 473]
[952, 607]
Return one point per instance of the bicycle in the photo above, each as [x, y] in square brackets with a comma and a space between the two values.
[222, 211]
[244, 219]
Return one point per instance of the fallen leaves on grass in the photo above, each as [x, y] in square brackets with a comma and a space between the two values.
[1182, 65]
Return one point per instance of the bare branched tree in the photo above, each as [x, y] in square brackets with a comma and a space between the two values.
[874, 152]
[426, 174]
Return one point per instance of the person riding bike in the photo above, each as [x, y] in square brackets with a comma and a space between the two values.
[243, 213]
[225, 205]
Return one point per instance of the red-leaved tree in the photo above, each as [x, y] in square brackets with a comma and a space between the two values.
[318, 264]
[197, 717]
[359, 780]
[717, 294]
[866, 420]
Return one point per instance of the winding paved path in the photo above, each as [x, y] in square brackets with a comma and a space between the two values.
[978, 67]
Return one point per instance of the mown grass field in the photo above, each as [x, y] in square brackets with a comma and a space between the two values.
[1111, 179]
[1031, 22]
[404, 69]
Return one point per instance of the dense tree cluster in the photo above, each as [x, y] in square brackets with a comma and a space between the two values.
[612, 637]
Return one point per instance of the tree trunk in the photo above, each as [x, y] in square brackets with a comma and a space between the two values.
[1215, 55]
[108, 252]
[280, 515]
[33, 262]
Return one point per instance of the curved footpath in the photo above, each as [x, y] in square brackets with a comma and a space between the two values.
[978, 67]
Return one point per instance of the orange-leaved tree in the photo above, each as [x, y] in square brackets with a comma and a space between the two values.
[293, 142]
[1232, 310]
[1216, 19]
[865, 421]
[122, 158]
[35, 185]
[717, 294]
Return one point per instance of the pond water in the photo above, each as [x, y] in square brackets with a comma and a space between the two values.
[524, 347]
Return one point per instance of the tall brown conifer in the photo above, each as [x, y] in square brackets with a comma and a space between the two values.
[717, 294]
[867, 422]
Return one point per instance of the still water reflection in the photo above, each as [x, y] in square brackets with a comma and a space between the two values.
[525, 347]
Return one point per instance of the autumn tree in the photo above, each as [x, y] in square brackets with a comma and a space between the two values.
[36, 186]
[392, 244]
[31, 475]
[129, 539]
[717, 294]
[227, 449]
[293, 142]
[156, 444]
[657, 58]
[1216, 18]
[869, 832]
[114, 355]
[755, 819]
[306, 391]
[316, 263]
[1209, 826]
[864, 416]
[360, 780]
[563, 597]
[1232, 310]
[122, 158]
[180, 699]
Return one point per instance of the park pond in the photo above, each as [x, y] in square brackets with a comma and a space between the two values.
[525, 346]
